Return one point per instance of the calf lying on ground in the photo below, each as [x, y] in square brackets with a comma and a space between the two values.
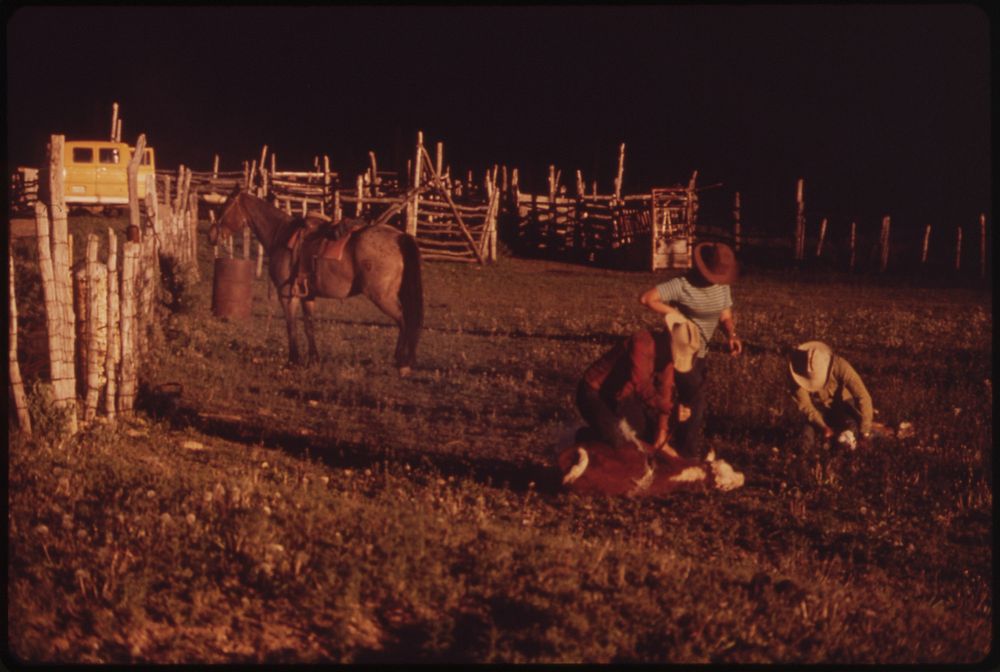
[595, 468]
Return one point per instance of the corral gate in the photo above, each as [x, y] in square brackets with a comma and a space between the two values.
[673, 211]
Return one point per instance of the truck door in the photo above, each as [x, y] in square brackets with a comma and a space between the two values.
[111, 180]
[80, 165]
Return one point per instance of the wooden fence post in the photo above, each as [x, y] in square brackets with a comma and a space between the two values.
[800, 220]
[261, 170]
[113, 319]
[193, 209]
[63, 383]
[132, 171]
[359, 194]
[129, 337]
[884, 240]
[414, 204]
[854, 237]
[327, 178]
[822, 235]
[97, 327]
[736, 222]
[152, 206]
[621, 172]
[62, 373]
[14, 368]
[927, 239]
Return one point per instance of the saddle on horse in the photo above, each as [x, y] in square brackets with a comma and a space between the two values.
[317, 237]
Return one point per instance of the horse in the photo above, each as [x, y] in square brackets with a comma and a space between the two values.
[376, 260]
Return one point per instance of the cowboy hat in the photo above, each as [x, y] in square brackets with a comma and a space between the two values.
[685, 340]
[716, 262]
[809, 364]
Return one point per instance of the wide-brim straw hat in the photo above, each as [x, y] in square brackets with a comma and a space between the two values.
[716, 262]
[685, 341]
[809, 364]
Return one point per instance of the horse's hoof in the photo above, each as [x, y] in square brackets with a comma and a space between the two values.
[404, 371]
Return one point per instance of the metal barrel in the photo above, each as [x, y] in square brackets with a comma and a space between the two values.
[232, 287]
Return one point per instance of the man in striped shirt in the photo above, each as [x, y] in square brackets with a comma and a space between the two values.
[703, 297]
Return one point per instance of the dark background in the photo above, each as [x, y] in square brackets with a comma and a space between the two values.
[882, 109]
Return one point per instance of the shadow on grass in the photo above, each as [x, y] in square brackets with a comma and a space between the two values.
[164, 403]
[592, 337]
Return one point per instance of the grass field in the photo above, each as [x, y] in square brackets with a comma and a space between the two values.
[254, 512]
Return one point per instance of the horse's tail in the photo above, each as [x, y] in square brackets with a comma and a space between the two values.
[411, 294]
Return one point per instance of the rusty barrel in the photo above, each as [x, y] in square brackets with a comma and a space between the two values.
[232, 287]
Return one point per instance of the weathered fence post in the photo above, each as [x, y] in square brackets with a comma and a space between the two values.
[359, 194]
[63, 383]
[97, 327]
[132, 171]
[327, 178]
[822, 235]
[114, 121]
[854, 237]
[884, 244]
[130, 267]
[152, 206]
[800, 220]
[736, 222]
[14, 368]
[621, 172]
[60, 362]
[414, 204]
[113, 319]
[927, 239]
[193, 203]
[262, 171]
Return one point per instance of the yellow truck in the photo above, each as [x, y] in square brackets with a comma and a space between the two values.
[95, 173]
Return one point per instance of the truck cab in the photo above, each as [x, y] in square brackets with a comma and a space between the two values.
[95, 172]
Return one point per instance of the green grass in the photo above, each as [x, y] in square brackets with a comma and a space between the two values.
[340, 513]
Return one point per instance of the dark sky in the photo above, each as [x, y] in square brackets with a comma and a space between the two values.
[883, 109]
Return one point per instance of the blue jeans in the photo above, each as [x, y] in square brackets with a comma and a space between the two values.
[690, 434]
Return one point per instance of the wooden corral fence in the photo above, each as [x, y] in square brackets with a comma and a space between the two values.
[651, 231]
[99, 313]
[452, 219]
[22, 192]
[842, 243]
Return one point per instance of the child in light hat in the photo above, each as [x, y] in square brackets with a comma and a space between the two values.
[830, 395]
